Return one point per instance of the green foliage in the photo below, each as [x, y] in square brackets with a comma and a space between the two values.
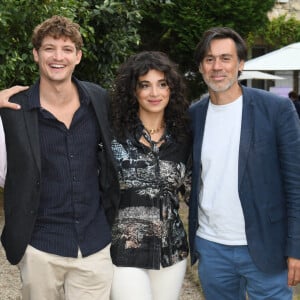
[243, 16]
[17, 21]
[280, 32]
[115, 38]
[108, 29]
[112, 30]
[176, 27]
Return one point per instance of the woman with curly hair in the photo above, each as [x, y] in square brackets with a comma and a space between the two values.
[152, 149]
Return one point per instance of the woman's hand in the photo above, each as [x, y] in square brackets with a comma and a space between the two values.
[7, 93]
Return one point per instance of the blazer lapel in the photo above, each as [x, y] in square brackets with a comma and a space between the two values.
[102, 115]
[246, 134]
[199, 124]
[32, 131]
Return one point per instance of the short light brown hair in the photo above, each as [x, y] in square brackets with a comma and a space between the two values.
[56, 27]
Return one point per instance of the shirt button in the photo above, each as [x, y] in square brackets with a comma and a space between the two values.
[71, 155]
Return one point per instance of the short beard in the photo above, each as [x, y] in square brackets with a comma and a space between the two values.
[216, 88]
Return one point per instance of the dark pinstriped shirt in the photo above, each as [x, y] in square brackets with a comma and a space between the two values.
[70, 214]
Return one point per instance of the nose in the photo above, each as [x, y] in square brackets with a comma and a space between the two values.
[154, 90]
[217, 64]
[58, 54]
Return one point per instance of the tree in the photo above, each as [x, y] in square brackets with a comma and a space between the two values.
[280, 32]
[113, 30]
[115, 38]
[108, 29]
[176, 27]
[17, 22]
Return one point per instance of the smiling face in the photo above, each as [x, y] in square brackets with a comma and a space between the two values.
[221, 65]
[152, 93]
[57, 59]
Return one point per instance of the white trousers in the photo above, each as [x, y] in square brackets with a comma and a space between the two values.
[143, 284]
[47, 276]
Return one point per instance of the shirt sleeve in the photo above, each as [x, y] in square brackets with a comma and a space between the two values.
[3, 160]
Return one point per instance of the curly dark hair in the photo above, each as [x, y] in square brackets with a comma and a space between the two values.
[56, 27]
[124, 105]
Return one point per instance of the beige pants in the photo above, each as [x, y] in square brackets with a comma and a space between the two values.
[51, 277]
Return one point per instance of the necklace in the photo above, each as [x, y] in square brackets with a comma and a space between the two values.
[155, 130]
[153, 144]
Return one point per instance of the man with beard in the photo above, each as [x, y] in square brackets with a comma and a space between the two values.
[244, 220]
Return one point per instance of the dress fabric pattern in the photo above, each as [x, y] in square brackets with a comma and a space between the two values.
[148, 232]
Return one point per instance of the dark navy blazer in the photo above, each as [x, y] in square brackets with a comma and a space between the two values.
[268, 177]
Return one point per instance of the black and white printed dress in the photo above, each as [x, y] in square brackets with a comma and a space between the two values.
[148, 232]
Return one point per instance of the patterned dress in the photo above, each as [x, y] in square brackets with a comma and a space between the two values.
[148, 232]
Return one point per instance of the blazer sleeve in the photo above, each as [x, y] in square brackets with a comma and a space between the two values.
[288, 141]
[3, 161]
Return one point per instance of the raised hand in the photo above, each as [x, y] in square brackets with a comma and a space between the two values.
[7, 93]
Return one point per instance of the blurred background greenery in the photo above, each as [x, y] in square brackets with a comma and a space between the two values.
[113, 30]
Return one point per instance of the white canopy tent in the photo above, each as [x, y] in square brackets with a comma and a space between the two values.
[286, 58]
[283, 59]
[258, 75]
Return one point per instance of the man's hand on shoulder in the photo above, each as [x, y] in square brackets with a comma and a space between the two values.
[293, 271]
[7, 93]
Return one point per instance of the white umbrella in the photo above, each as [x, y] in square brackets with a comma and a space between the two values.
[286, 58]
[258, 75]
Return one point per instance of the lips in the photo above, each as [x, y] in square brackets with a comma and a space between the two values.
[56, 66]
[218, 77]
[154, 102]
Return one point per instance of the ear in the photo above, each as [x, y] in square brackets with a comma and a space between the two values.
[35, 55]
[241, 65]
[79, 56]
[200, 69]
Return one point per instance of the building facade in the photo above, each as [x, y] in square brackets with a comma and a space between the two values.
[286, 7]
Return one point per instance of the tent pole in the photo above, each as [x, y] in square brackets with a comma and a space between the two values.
[296, 81]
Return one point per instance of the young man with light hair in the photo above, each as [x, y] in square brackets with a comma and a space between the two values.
[60, 184]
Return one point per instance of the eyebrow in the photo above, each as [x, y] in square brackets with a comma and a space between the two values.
[224, 54]
[142, 81]
[54, 45]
